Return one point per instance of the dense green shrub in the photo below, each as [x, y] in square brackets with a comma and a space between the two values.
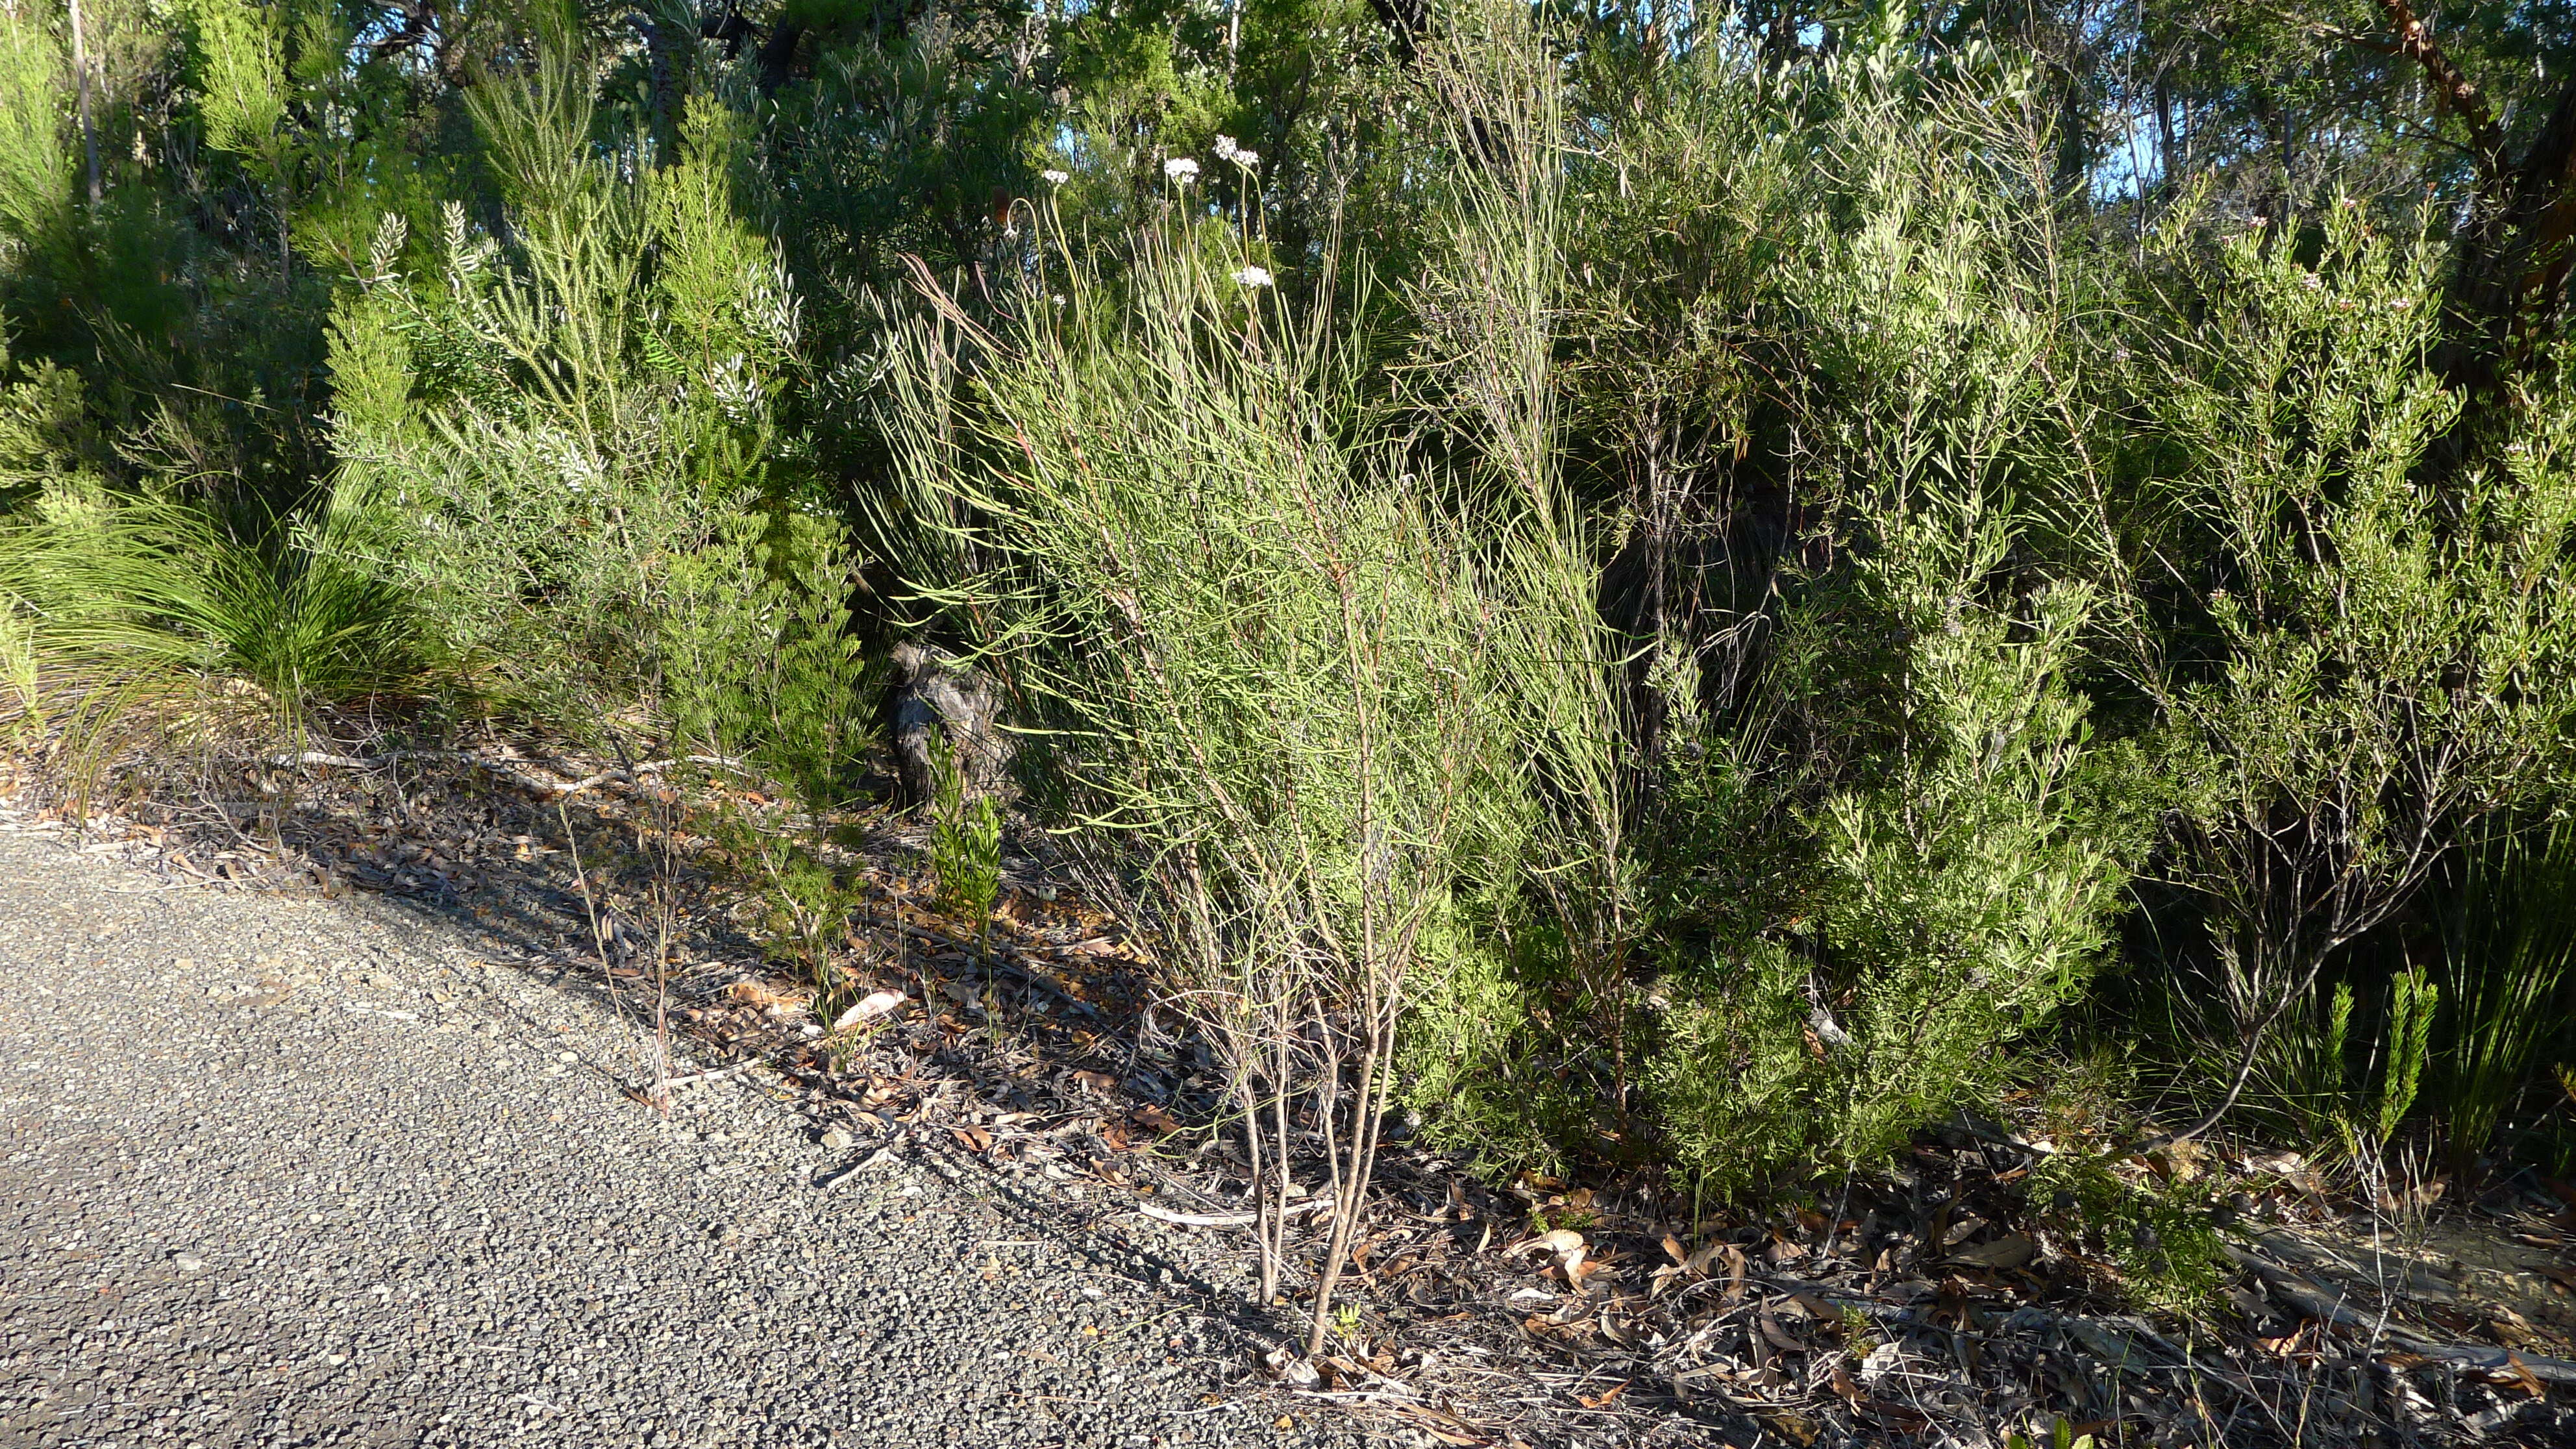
[569, 451]
[2159, 1237]
[1959, 900]
[143, 599]
[2351, 616]
[1667, 569]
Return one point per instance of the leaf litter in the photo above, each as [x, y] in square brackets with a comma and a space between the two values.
[1937, 1304]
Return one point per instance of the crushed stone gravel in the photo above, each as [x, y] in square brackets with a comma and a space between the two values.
[306, 1171]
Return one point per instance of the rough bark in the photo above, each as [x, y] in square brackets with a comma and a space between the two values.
[941, 703]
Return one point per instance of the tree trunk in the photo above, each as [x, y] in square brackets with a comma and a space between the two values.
[89, 129]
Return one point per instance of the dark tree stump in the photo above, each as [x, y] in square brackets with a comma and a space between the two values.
[942, 703]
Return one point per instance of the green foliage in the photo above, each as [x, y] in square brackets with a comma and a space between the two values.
[965, 841]
[22, 667]
[2511, 985]
[1487, 1049]
[36, 160]
[1665, 568]
[2412, 1001]
[45, 432]
[763, 678]
[1967, 838]
[757, 657]
[2158, 1237]
[2356, 662]
[1276, 674]
[805, 905]
[241, 78]
[1961, 900]
[2305, 1072]
[578, 477]
[151, 607]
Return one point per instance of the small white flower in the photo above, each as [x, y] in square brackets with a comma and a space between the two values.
[1253, 276]
[1181, 170]
[2400, 304]
[1059, 299]
[2311, 280]
[1224, 148]
[1054, 177]
[1248, 160]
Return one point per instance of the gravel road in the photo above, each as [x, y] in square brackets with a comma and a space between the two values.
[310, 1172]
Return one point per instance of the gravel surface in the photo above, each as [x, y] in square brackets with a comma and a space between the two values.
[302, 1172]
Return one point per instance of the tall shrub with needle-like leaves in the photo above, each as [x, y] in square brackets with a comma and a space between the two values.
[1273, 664]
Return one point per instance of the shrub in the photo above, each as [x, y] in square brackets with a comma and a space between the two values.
[1271, 664]
[2511, 989]
[1495, 1058]
[568, 452]
[965, 841]
[1960, 901]
[2160, 1238]
[2353, 621]
[1964, 838]
[145, 599]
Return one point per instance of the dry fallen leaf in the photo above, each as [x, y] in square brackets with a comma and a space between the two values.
[877, 1004]
[1735, 1270]
[1284, 1366]
[2006, 1252]
[1777, 1336]
[1097, 1081]
[1444, 1427]
[1602, 1399]
[1844, 1386]
[766, 995]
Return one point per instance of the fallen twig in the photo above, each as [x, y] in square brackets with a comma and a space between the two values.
[714, 1074]
[2318, 1302]
[847, 1174]
[1226, 1220]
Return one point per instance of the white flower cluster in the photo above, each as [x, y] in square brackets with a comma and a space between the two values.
[1254, 277]
[1241, 156]
[1054, 177]
[1180, 170]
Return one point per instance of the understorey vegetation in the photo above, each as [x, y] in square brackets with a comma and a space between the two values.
[1640, 590]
